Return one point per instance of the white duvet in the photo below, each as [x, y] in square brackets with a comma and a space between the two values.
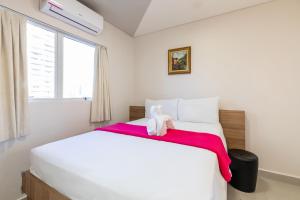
[106, 166]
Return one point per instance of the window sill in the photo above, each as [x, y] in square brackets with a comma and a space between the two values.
[34, 100]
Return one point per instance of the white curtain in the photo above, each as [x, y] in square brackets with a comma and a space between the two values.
[13, 75]
[100, 107]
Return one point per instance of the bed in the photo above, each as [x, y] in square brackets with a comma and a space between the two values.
[102, 165]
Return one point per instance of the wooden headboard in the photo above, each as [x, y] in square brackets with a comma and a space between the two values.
[232, 121]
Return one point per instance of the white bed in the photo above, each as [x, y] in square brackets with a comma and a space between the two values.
[107, 166]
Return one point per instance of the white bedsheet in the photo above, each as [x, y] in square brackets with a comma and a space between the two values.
[106, 166]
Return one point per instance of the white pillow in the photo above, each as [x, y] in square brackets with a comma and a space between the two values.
[204, 110]
[169, 107]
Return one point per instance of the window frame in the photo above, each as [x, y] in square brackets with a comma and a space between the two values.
[58, 68]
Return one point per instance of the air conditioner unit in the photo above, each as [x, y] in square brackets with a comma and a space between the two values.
[74, 13]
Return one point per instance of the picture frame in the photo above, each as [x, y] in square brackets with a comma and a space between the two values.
[179, 61]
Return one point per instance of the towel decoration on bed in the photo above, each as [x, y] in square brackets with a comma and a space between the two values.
[158, 123]
[206, 141]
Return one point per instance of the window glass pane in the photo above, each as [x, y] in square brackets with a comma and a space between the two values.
[41, 61]
[78, 69]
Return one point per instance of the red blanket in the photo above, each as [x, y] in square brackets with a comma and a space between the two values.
[200, 140]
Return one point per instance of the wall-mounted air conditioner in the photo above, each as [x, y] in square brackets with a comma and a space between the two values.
[74, 13]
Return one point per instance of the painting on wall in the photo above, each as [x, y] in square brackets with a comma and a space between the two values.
[179, 61]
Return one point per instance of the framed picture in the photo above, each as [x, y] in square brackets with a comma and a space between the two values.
[179, 61]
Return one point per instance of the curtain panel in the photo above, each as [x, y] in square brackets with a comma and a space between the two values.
[100, 107]
[13, 75]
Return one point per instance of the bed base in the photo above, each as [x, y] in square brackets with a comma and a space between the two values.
[38, 190]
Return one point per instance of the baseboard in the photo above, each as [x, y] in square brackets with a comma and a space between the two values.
[23, 197]
[279, 176]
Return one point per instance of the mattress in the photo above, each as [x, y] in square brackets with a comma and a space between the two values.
[100, 165]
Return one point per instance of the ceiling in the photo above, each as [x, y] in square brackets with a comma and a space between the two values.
[139, 17]
[124, 14]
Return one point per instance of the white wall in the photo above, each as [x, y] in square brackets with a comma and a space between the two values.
[251, 59]
[53, 120]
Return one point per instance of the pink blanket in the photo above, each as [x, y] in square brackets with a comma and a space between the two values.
[200, 140]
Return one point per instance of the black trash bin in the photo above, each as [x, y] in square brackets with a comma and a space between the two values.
[244, 167]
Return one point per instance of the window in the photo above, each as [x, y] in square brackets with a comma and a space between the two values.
[59, 66]
[41, 62]
[78, 71]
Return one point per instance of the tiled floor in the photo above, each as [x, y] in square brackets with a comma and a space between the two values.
[267, 189]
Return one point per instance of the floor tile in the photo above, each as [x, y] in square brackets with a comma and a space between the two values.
[267, 189]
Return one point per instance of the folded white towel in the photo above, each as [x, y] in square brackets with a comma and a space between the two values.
[151, 127]
[155, 111]
[159, 123]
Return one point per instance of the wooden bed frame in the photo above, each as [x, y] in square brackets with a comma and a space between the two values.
[232, 121]
[38, 190]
